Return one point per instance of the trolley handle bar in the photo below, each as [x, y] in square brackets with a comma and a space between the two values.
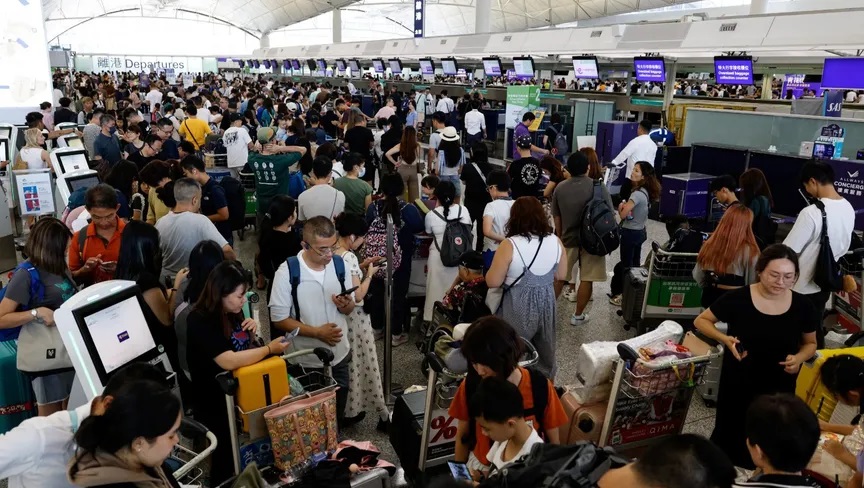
[660, 252]
[212, 442]
[857, 253]
[323, 353]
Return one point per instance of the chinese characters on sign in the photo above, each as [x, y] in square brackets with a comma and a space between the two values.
[735, 71]
[418, 17]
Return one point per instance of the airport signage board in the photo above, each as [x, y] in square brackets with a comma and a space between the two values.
[520, 99]
[733, 70]
[650, 70]
[147, 64]
[419, 12]
[797, 83]
[843, 74]
[849, 181]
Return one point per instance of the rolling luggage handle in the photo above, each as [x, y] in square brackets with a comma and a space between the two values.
[188, 425]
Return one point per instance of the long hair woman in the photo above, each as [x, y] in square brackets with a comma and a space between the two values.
[476, 190]
[278, 240]
[727, 260]
[408, 151]
[126, 445]
[595, 171]
[46, 251]
[634, 215]
[756, 195]
[526, 266]
[451, 159]
[221, 339]
[33, 155]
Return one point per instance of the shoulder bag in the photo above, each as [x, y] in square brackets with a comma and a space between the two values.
[40, 348]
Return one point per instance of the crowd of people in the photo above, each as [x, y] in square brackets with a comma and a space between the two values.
[505, 241]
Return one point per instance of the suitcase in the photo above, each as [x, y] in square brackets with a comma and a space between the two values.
[405, 434]
[375, 478]
[17, 402]
[710, 387]
[809, 385]
[585, 415]
[261, 384]
[633, 295]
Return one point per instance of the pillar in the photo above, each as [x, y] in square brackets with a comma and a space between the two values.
[264, 41]
[337, 26]
[758, 7]
[482, 12]
[767, 86]
[669, 92]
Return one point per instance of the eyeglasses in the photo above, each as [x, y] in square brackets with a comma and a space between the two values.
[788, 278]
[324, 251]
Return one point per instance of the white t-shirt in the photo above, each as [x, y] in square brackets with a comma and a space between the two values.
[805, 234]
[205, 115]
[499, 210]
[154, 97]
[435, 225]
[497, 450]
[642, 148]
[445, 105]
[338, 170]
[547, 258]
[320, 200]
[236, 140]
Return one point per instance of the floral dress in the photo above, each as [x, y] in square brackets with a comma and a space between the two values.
[366, 392]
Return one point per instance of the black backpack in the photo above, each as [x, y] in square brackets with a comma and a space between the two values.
[827, 275]
[600, 234]
[578, 465]
[236, 198]
[455, 241]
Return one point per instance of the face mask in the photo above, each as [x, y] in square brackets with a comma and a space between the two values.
[113, 129]
[362, 172]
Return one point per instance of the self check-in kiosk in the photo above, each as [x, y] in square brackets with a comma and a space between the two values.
[64, 141]
[70, 182]
[67, 161]
[103, 328]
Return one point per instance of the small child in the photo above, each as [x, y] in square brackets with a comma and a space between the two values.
[427, 201]
[469, 280]
[500, 413]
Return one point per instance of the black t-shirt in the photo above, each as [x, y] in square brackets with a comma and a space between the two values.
[169, 150]
[163, 335]
[205, 341]
[276, 249]
[476, 194]
[390, 139]
[360, 140]
[327, 123]
[551, 133]
[525, 178]
[212, 199]
[140, 160]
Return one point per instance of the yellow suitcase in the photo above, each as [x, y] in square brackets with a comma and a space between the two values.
[259, 385]
[809, 385]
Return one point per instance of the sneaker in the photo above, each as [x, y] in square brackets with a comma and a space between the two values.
[570, 295]
[616, 300]
[379, 334]
[578, 319]
[399, 339]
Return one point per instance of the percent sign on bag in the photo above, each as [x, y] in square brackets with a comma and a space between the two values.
[443, 429]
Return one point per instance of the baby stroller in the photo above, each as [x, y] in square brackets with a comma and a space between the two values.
[440, 339]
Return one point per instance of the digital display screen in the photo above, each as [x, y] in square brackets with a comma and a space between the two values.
[585, 67]
[256, 64]
[354, 65]
[312, 64]
[524, 67]
[120, 333]
[737, 70]
[286, 63]
[843, 73]
[395, 66]
[427, 67]
[322, 65]
[378, 64]
[450, 66]
[72, 161]
[75, 183]
[295, 64]
[650, 69]
[267, 63]
[4, 150]
[492, 66]
[340, 64]
[75, 141]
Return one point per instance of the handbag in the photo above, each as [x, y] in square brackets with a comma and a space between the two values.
[41, 349]
[827, 275]
[302, 428]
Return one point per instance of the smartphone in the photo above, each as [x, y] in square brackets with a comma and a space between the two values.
[739, 348]
[290, 335]
[348, 291]
[381, 262]
[459, 471]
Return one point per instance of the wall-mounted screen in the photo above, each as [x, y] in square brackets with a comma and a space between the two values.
[378, 65]
[843, 74]
[240, 63]
[450, 66]
[322, 65]
[295, 64]
[340, 65]
[354, 65]
[395, 66]
[492, 67]
[267, 63]
[312, 64]
[735, 70]
[286, 63]
[585, 67]
[524, 67]
[427, 67]
[650, 69]
[256, 64]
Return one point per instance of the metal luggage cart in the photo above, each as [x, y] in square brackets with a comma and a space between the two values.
[671, 293]
[248, 182]
[184, 460]
[849, 307]
[255, 445]
[649, 403]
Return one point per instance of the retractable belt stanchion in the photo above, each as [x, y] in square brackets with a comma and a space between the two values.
[390, 390]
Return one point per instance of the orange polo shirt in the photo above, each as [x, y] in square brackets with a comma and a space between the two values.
[95, 245]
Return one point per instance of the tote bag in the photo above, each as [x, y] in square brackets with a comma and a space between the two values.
[302, 428]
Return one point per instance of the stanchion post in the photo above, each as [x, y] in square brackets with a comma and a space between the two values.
[388, 313]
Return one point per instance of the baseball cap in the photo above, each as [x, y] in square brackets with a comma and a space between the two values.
[234, 117]
[523, 141]
[265, 134]
[471, 260]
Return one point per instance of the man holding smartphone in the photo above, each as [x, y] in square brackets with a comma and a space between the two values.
[94, 249]
[317, 307]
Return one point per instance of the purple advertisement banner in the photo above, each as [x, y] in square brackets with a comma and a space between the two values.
[843, 73]
[511, 75]
[849, 182]
[796, 83]
[733, 71]
[650, 70]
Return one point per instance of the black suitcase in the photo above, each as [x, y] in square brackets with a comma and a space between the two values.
[635, 281]
[405, 435]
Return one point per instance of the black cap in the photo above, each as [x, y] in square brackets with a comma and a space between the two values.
[234, 117]
[471, 260]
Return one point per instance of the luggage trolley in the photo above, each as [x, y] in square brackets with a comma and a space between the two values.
[184, 461]
[670, 291]
[252, 442]
[648, 402]
[849, 306]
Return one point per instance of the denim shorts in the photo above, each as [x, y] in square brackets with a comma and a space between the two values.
[52, 388]
[456, 182]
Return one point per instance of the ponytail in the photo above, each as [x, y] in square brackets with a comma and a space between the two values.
[281, 209]
[446, 194]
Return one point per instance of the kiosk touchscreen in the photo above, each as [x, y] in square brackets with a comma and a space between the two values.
[69, 182]
[103, 328]
[69, 159]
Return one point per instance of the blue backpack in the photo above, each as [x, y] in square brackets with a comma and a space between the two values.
[294, 276]
[296, 185]
[37, 295]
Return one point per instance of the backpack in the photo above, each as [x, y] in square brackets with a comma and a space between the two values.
[600, 234]
[37, 295]
[560, 143]
[376, 242]
[455, 241]
[235, 195]
[827, 275]
[579, 465]
[296, 185]
[539, 395]
[293, 263]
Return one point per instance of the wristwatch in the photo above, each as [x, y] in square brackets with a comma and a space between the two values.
[35, 316]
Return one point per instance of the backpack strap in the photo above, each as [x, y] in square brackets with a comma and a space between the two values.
[526, 268]
[339, 264]
[540, 396]
[293, 263]
[821, 206]
[82, 241]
